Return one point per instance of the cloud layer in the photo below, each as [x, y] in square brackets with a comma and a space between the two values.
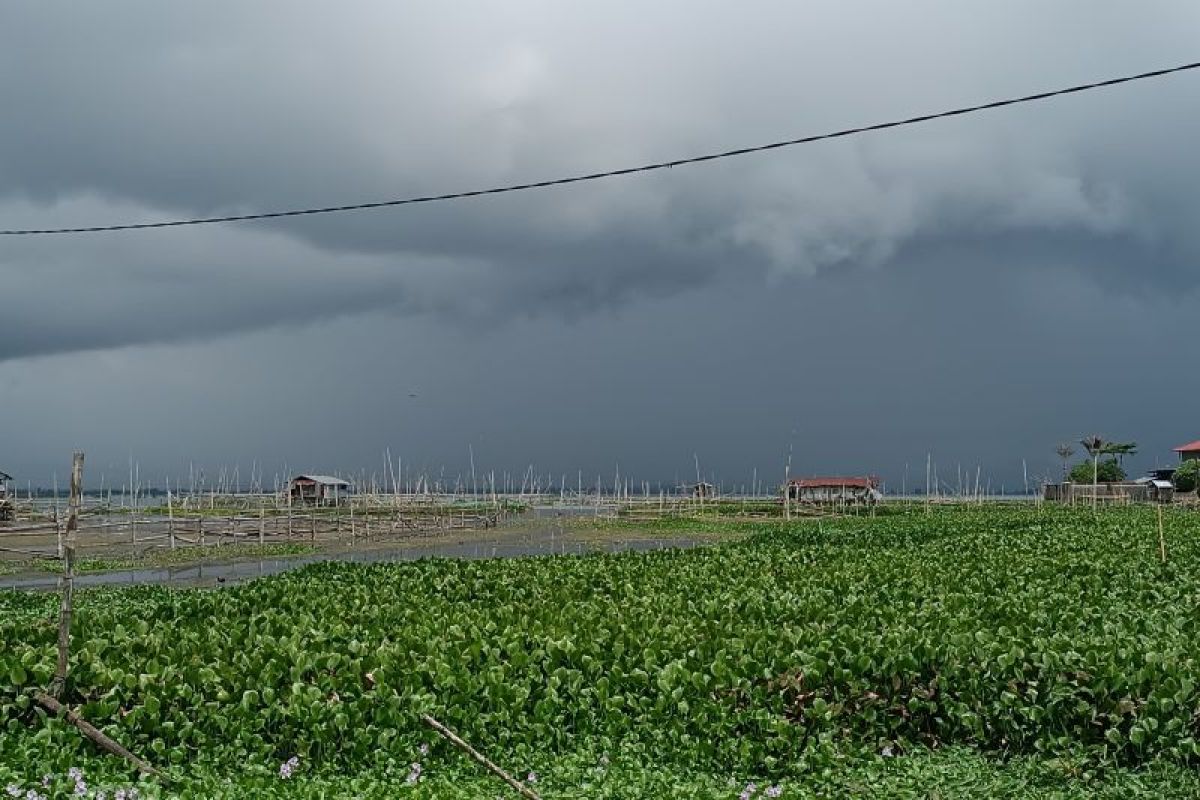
[144, 111]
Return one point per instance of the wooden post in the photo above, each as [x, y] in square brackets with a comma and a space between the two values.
[200, 527]
[262, 523]
[67, 582]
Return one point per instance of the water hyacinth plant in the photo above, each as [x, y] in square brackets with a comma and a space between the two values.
[74, 784]
[796, 655]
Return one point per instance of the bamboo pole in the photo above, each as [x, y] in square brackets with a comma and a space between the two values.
[479, 758]
[170, 517]
[67, 581]
[1162, 542]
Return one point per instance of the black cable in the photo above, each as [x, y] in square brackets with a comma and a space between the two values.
[592, 176]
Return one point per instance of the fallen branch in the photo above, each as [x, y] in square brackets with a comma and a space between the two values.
[480, 758]
[87, 729]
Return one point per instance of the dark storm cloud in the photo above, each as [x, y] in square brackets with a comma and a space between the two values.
[147, 111]
[155, 111]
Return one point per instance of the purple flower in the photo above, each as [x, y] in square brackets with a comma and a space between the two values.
[119, 794]
[531, 778]
[748, 792]
[774, 791]
[13, 790]
[424, 749]
[288, 767]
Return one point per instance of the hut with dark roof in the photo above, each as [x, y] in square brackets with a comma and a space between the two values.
[319, 490]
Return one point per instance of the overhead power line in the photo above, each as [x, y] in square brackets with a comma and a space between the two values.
[613, 173]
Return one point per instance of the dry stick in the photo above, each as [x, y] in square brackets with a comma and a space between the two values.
[53, 706]
[67, 582]
[479, 757]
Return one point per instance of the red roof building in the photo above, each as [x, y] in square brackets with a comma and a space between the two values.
[1189, 451]
[834, 489]
[852, 481]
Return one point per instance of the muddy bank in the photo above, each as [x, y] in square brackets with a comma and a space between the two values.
[535, 537]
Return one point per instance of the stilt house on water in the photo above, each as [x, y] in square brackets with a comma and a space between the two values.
[319, 490]
[840, 490]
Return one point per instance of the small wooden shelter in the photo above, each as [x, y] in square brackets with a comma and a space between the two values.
[843, 490]
[702, 490]
[319, 490]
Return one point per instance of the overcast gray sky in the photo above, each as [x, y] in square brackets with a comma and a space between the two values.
[977, 288]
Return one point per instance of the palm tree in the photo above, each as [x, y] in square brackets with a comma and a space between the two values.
[1121, 450]
[1065, 451]
[1095, 446]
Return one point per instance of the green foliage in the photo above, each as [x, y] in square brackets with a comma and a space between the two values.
[1108, 470]
[797, 655]
[1186, 475]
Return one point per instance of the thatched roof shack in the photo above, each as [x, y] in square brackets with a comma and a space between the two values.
[851, 489]
[319, 490]
[702, 490]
